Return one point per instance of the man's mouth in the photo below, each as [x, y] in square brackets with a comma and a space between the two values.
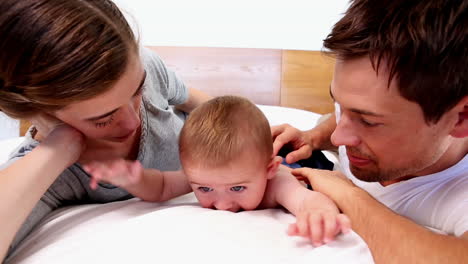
[358, 161]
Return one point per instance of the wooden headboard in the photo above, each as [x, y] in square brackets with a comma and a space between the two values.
[290, 78]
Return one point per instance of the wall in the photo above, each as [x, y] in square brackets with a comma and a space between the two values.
[280, 24]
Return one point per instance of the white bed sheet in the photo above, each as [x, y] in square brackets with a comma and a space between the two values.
[180, 230]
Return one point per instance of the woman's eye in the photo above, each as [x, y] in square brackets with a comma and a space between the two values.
[139, 91]
[205, 189]
[105, 123]
[237, 188]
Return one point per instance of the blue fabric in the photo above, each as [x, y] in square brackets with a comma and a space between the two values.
[316, 161]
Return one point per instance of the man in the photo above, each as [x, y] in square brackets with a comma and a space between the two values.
[401, 91]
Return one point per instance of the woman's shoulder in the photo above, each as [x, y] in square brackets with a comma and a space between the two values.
[152, 62]
[162, 86]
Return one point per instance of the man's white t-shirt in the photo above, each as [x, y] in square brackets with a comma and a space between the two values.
[438, 201]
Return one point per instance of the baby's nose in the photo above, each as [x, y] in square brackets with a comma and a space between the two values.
[226, 206]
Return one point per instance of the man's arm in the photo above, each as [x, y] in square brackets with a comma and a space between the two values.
[196, 98]
[320, 135]
[395, 239]
[390, 237]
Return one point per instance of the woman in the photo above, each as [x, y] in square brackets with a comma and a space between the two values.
[74, 69]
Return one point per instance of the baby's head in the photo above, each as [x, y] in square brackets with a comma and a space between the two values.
[226, 152]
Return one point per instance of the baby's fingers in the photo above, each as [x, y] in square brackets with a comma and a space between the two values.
[344, 223]
[89, 168]
[293, 230]
[98, 173]
[135, 170]
[93, 184]
[316, 229]
[330, 226]
[302, 225]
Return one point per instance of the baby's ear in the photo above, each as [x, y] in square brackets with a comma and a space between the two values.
[272, 168]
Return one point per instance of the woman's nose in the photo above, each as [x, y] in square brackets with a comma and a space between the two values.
[130, 118]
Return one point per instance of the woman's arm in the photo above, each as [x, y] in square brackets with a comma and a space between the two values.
[196, 98]
[24, 182]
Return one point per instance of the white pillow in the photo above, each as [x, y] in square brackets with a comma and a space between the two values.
[7, 146]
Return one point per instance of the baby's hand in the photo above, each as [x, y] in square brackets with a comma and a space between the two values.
[121, 173]
[320, 226]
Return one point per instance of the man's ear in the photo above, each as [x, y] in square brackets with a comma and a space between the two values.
[460, 130]
[272, 168]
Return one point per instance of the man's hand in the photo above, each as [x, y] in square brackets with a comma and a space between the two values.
[320, 226]
[121, 173]
[286, 134]
[331, 183]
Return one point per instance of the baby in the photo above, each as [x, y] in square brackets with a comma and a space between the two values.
[226, 151]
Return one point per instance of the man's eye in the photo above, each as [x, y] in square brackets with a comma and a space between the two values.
[237, 188]
[367, 123]
[205, 189]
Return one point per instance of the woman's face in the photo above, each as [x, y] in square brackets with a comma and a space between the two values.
[114, 115]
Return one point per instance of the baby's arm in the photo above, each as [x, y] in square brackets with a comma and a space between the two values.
[317, 217]
[148, 184]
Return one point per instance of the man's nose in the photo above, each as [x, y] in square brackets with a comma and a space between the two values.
[345, 134]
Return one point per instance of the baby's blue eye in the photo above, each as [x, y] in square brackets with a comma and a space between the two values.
[205, 189]
[237, 188]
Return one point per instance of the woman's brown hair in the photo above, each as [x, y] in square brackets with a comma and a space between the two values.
[424, 43]
[54, 52]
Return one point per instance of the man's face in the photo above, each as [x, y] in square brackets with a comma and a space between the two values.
[239, 185]
[385, 135]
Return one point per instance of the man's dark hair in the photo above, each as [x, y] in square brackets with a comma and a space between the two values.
[425, 44]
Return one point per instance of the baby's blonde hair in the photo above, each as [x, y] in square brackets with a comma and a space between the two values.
[222, 130]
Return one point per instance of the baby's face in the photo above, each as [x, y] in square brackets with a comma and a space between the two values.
[237, 186]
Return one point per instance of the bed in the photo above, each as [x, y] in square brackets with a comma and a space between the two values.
[180, 231]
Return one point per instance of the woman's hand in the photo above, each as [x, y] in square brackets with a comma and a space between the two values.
[55, 134]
